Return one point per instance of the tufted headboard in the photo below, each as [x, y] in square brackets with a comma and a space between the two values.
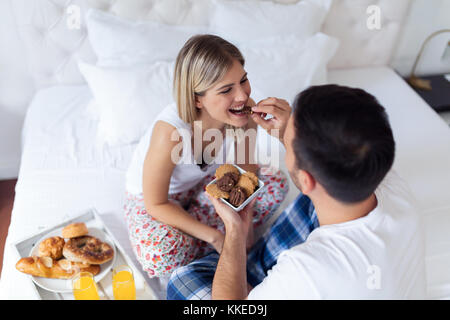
[53, 46]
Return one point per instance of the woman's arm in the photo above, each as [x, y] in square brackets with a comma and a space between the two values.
[157, 171]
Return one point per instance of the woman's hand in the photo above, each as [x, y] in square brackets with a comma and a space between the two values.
[279, 109]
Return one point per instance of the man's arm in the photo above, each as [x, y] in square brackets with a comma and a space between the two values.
[230, 279]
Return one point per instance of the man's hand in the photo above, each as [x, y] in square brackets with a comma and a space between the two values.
[279, 109]
[240, 221]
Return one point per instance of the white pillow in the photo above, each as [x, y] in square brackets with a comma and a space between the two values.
[117, 41]
[128, 98]
[174, 12]
[242, 21]
[282, 67]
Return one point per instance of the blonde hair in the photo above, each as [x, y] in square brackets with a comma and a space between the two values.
[203, 60]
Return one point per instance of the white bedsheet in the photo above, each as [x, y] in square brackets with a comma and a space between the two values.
[64, 171]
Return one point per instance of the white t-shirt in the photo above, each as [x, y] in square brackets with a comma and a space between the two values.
[186, 174]
[379, 256]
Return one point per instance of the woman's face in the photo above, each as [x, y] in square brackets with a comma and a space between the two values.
[221, 103]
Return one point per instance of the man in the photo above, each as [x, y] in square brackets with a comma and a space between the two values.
[353, 232]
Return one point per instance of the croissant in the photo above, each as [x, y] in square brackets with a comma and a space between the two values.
[47, 268]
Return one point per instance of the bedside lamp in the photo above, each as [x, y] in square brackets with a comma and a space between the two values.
[415, 81]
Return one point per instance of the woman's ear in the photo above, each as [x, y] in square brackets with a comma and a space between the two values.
[198, 102]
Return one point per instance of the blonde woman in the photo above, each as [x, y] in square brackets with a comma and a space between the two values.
[170, 219]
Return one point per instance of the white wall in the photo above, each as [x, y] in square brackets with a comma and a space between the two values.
[425, 17]
[16, 90]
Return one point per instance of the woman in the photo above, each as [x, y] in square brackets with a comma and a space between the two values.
[170, 219]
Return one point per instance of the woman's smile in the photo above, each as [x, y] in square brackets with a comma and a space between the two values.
[237, 113]
[238, 110]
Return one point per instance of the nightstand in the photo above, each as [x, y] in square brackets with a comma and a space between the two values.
[439, 97]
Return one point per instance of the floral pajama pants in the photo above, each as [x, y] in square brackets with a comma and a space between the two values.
[161, 249]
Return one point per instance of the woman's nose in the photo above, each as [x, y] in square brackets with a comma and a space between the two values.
[241, 95]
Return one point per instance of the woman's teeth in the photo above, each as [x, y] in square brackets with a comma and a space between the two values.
[237, 108]
[241, 110]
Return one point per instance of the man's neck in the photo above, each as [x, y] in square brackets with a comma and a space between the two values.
[330, 211]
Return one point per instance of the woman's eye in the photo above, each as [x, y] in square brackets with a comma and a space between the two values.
[229, 89]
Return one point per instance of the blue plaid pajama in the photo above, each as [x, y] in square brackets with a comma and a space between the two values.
[292, 227]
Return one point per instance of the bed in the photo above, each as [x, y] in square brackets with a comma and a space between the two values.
[64, 170]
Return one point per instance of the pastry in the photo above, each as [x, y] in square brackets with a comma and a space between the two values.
[247, 110]
[88, 249]
[47, 268]
[233, 175]
[214, 191]
[237, 196]
[228, 181]
[247, 184]
[252, 176]
[52, 247]
[220, 171]
[75, 230]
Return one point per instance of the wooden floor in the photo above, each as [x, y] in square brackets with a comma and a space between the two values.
[6, 203]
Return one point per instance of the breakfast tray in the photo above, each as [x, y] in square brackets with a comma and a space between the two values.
[91, 218]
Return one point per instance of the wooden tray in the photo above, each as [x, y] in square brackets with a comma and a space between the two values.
[93, 219]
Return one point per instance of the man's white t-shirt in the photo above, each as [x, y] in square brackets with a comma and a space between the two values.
[379, 256]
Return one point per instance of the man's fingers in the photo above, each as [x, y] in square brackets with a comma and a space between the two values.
[251, 204]
[214, 201]
[279, 103]
[270, 109]
[265, 124]
[221, 208]
[249, 207]
[269, 100]
[264, 108]
[248, 211]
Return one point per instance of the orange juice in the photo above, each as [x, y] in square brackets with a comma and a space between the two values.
[84, 287]
[123, 284]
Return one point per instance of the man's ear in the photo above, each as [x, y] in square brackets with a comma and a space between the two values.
[307, 181]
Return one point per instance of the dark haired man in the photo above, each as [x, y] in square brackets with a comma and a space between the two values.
[353, 232]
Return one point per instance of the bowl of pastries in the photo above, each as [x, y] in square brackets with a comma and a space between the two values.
[58, 256]
[234, 186]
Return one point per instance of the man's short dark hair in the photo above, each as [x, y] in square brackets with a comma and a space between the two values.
[343, 139]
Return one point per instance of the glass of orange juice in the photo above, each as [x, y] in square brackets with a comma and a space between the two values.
[83, 286]
[123, 283]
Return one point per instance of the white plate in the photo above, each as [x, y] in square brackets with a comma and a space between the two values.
[63, 285]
